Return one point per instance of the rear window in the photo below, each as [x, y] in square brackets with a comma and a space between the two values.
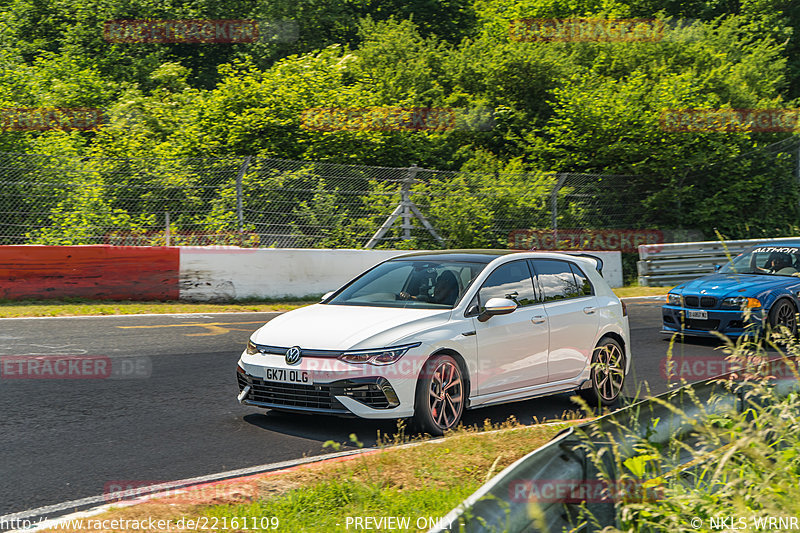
[558, 281]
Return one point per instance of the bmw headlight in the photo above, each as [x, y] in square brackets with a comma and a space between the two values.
[252, 349]
[739, 302]
[381, 356]
[674, 299]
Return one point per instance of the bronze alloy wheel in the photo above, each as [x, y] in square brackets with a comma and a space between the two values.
[440, 395]
[607, 374]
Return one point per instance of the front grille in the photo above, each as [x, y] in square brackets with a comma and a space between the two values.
[708, 301]
[697, 301]
[706, 325]
[376, 393]
[290, 395]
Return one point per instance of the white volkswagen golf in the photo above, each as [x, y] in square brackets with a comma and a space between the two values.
[430, 334]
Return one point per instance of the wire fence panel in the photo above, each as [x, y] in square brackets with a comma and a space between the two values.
[250, 201]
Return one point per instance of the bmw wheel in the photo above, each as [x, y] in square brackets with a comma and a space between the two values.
[607, 373]
[783, 314]
[440, 396]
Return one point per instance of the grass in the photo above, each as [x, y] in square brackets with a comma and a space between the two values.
[85, 307]
[422, 482]
[632, 291]
[82, 307]
[739, 461]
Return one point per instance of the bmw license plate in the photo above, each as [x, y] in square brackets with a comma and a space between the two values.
[702, 315]
[284, 375]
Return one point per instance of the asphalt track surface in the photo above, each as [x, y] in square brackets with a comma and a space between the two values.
[174, 414]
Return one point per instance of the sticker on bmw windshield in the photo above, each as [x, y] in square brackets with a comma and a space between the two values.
[775, 249]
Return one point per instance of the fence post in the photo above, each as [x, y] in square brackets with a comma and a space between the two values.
[239, 201]
[554, 205]
[166, 229]
[405, 200]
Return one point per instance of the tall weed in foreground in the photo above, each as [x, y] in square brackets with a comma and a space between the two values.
[708, 459]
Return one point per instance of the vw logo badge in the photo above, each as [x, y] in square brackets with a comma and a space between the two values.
[293, 355]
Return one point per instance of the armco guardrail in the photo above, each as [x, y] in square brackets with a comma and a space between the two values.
[662, 265]
[564, 465]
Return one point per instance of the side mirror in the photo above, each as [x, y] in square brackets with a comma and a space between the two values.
[717, 267]
[497, 306]
[326, 296]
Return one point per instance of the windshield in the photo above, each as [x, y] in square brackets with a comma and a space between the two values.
[408, 283]
[771, 260]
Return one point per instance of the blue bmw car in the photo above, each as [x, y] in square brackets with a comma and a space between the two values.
[759, 289]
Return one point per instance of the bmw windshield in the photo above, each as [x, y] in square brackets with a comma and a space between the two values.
[418, 284]
[769, 260]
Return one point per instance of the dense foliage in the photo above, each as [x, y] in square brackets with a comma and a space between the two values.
[552, 106]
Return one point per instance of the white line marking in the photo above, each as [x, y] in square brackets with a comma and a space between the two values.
[164, 315]
[103, 498]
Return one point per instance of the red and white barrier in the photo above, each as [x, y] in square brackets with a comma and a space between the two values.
[192, 272]
[99, 272]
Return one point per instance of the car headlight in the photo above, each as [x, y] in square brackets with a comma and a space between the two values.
[739, 302]
[252, 349]
[674, 299]
[381, 356]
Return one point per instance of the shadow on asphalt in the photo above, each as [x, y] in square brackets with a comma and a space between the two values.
[323, 428]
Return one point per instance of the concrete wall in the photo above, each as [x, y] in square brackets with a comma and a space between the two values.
[191, 272]
[229, 272]
[216, 273]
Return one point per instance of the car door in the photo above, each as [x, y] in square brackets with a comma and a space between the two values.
[571, 308]
[512, 348]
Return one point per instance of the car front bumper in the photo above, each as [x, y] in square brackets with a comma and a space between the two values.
[729, 322]
[334, 387]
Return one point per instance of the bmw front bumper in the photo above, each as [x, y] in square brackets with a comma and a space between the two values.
[729, 322]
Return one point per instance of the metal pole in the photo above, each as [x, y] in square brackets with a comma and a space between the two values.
[554, 206]
[239, 202]
[166, 229]
[405, 200]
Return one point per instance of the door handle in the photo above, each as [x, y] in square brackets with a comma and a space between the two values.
[538, 319]
[589, 310]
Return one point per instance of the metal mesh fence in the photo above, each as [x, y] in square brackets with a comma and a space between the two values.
[249, 201]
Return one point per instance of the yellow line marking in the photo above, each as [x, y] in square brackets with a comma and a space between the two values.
[212, 328]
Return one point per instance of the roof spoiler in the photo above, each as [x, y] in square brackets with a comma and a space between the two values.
[598, 262]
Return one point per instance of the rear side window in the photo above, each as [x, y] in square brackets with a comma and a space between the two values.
[584, 285]
[557, 281]
[512, 281]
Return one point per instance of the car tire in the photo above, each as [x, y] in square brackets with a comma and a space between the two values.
[440, 396]
[784, 314]
[607, 374]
